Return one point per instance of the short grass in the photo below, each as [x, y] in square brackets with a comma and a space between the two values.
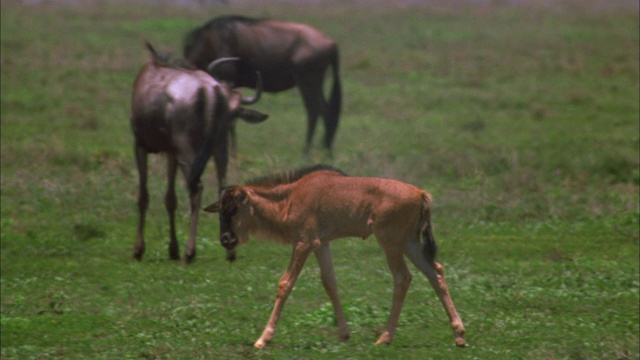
[522, 120]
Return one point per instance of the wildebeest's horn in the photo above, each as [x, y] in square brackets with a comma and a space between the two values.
[256, 96]
[217, 62]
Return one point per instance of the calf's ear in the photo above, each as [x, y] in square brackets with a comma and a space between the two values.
[213, 208]
[251, 116]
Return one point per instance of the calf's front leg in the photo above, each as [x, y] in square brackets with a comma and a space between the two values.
[300, 254]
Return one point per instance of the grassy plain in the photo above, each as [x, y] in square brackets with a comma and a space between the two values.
[521, 120]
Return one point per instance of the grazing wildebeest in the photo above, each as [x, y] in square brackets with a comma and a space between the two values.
[286, 54]
[313, 206]
[185, 114]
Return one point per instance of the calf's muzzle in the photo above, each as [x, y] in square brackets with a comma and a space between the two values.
[229, 240]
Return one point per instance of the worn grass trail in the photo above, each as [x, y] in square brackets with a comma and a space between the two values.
[522, 121]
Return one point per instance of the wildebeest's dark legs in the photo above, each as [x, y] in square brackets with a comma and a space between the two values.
[221, 158]
[312, 119]
[143, 200]
[195, 200]
[195, 197]
[334, 106]
[234, 140]
[171, 203]
[311, 91]
[330, 126]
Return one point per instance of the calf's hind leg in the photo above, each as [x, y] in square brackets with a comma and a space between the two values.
[435, 273]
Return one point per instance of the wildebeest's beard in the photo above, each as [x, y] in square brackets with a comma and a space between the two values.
[228, 238]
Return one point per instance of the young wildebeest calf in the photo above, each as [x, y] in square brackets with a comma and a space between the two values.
[185, 114]
[313, 206]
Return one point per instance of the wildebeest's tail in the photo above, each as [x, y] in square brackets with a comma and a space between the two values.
[335, 102]
[429, 246]
[215, 120]
[162, 59]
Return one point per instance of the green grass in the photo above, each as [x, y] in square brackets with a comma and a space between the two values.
[522, 121]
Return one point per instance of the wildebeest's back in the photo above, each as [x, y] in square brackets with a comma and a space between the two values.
[295, 42]
[281, 50]
[354, 206]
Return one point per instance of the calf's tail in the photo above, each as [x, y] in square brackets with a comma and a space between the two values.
[429, 246]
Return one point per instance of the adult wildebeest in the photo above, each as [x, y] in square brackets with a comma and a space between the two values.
[313, 206]
[185, 114]
[286, 54]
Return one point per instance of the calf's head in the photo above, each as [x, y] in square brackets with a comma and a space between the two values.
[232, 208]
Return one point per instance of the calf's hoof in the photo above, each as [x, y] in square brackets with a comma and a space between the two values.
[385, 338]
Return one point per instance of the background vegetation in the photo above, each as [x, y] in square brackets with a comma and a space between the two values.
[521, 118]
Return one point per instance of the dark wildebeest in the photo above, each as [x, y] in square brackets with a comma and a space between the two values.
[286, 54]
[185, 114]
[313, 206]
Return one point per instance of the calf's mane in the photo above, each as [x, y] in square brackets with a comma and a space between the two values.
[289, 177]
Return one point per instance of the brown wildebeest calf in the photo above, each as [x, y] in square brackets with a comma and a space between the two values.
[310, 207]
[185, 114]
